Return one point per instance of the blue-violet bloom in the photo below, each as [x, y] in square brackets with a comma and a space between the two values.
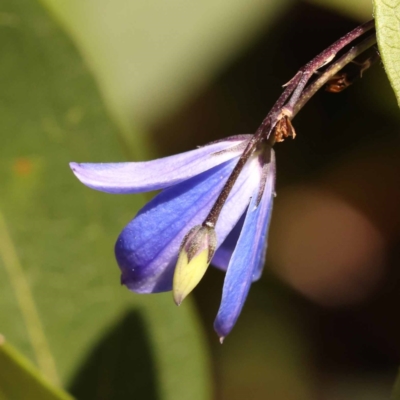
[170, 242]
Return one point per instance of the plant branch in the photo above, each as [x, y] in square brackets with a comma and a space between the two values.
[295, 87]
[331, 71]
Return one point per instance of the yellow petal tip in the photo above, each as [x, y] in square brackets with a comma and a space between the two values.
[188, 274]
[197, 250]
[178, 300]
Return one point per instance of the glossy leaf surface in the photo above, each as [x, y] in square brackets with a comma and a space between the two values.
[387, 17]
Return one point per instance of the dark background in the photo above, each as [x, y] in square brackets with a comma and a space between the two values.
[333, 262]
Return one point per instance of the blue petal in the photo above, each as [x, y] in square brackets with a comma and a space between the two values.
[147, 248]
[263, 245]
[247, 257]
[136, 177]
[223, 255]
[224, 252]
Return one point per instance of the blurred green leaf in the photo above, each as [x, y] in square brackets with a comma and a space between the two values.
[60, 294]
[387, 17]
[396, 388]
[273, 358]
[20, 380]
[151, 55]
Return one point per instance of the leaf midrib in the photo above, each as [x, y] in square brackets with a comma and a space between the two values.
[26, 302]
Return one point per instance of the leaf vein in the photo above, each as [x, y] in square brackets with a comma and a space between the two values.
[26, 303]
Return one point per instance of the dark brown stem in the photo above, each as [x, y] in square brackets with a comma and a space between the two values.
[324, 58]
[331, 71]
[293, 90]
[213, 215]
[300, 80]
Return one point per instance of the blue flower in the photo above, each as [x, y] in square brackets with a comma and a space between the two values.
[170, 235]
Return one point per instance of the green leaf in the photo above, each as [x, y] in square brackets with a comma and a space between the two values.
[396, 388]
[61, 301]
[150, 56]
[20, 380]
[275, 363]
[387, 17]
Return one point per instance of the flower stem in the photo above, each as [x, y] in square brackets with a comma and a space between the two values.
[331, 71]
[303, 76]
[216, 209]
[293, 98]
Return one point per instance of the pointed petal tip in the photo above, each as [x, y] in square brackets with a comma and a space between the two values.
[188, 272]
[74, 166]
[222, 329]
[178, 299]
[76, 169]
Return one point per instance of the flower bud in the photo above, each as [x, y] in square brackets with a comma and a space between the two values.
[196, 252]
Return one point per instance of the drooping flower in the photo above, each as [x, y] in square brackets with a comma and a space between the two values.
[168, 246]
[216, 201]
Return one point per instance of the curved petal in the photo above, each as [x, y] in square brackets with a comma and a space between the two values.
[224, 252]
[136, 177]
[261, 252]
[147, 248]
[247, 257]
